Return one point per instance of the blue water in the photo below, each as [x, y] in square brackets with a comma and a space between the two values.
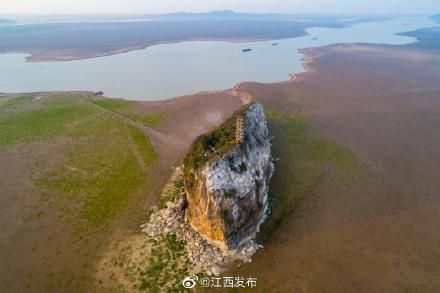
[169, 70]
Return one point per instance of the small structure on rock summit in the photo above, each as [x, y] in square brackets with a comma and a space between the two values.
[239, 129]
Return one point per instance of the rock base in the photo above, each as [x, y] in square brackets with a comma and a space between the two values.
[204, 257]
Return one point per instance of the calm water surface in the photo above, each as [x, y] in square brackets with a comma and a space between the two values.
[170, 70]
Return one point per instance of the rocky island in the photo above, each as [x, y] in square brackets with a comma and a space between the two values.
[223, 198]
[226, 180]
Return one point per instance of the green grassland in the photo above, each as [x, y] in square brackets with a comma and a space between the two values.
[24, 120]
[168, 265]
[90, 168]
[126, 108]
[149, 266]
[104, 162]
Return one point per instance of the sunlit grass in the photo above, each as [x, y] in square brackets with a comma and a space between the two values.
[167, 266]
[15, 102]
[102, 161]
[41, 121]
[125, 108]
[104, 170]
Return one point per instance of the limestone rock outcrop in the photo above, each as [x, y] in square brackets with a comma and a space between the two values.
[227, 180]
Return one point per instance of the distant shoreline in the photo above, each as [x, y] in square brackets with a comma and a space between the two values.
[93, 40]
[50, 56]
[289, 74]
[308, 59]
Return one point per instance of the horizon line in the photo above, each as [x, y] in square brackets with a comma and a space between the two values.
[226, 11]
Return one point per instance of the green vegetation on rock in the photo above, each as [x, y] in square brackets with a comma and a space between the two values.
[210, 146]
[171, 194]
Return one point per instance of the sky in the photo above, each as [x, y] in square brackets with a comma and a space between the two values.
[258, 6]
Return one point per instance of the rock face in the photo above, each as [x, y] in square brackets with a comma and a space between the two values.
[171, 219]
[228, 194]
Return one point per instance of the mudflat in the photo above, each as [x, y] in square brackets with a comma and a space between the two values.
[381, 233]
[79, 174]
[355, 202]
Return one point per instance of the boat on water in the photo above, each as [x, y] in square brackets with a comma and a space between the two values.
[274, 44]
[246, 50]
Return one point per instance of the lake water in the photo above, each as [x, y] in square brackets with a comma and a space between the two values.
[169, 70]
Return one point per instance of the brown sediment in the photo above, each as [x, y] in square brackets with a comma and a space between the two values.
[379, 235]
[190, 116]
[382, 104]
[375, 236]
[307, 62]
[42, 248]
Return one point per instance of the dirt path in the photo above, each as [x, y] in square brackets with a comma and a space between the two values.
[245, 97]
[148, 130]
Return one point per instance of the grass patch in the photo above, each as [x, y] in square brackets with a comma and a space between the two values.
[114, 105]
[103, 171]
[304, 158]
[89, 169]
[171, 194]
[150, 120]
[125, 108]
[44, 121]
[143, 146]
[15, 102]
[168, 265]
[99, 169]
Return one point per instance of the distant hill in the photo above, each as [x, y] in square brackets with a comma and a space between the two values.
[216, 15]
[223, 14]
[219, 13]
